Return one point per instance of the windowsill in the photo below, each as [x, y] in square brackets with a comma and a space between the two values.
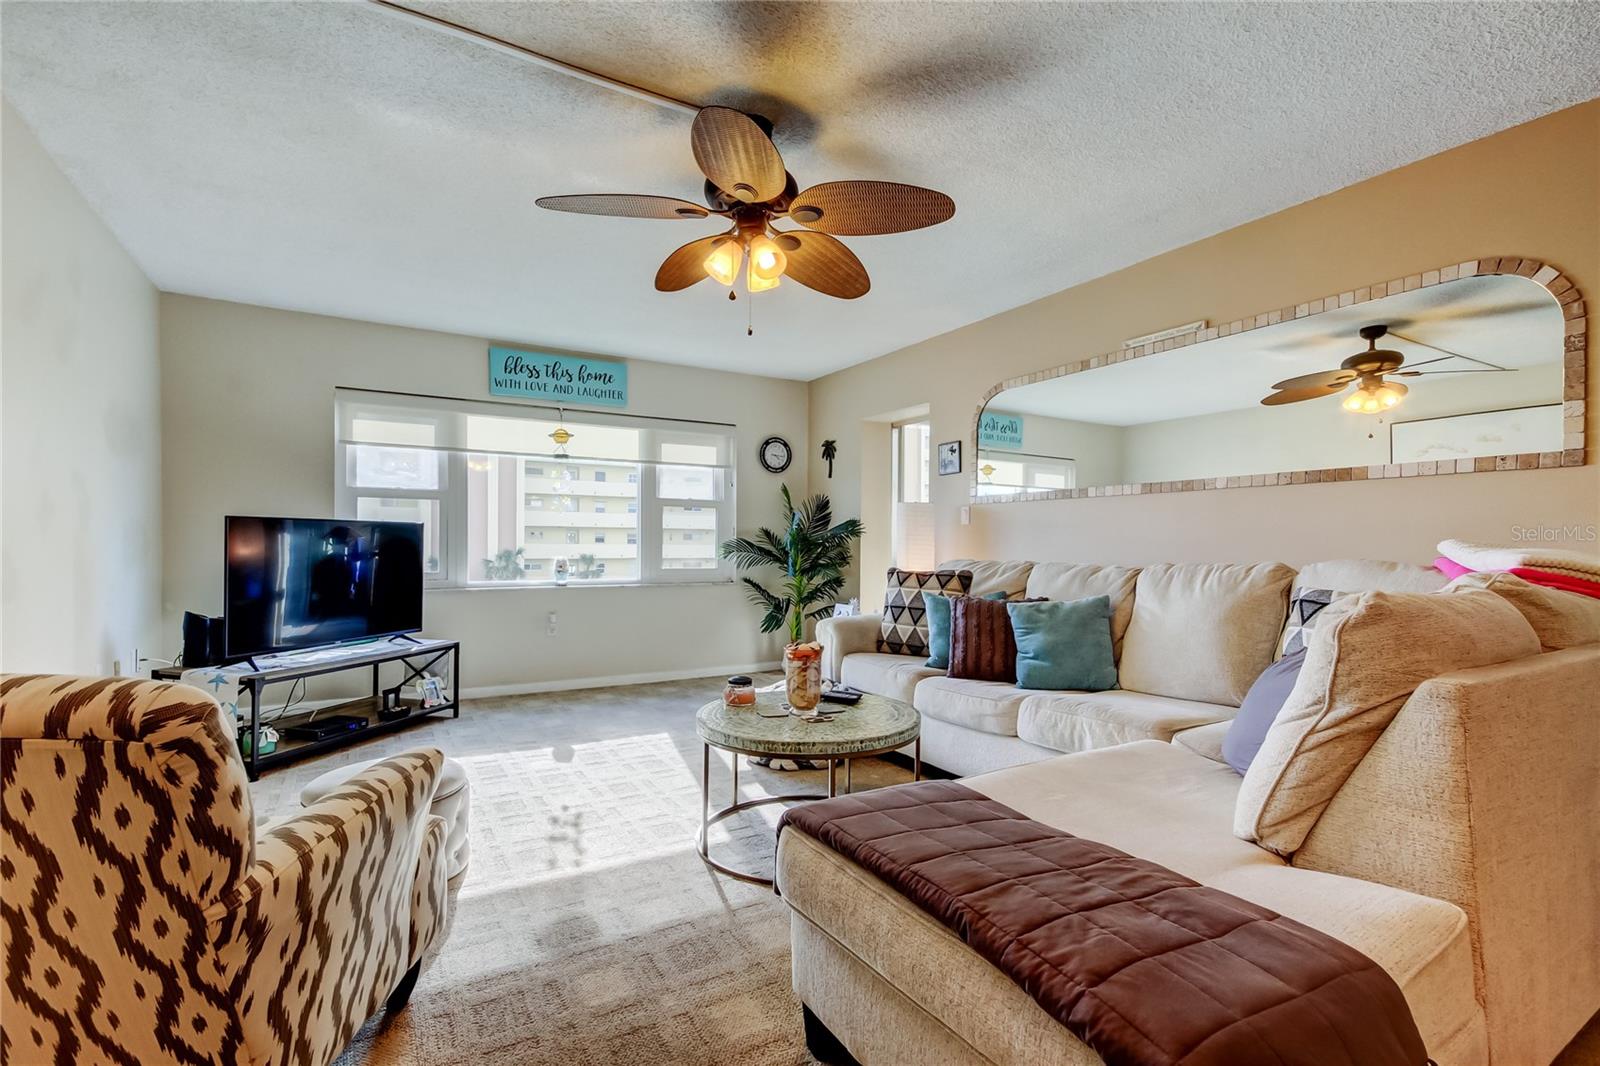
[550, 586]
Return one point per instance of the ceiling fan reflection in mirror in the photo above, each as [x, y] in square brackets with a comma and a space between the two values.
[1370, 372]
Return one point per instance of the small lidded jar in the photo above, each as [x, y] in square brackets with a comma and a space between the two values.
[741, 692]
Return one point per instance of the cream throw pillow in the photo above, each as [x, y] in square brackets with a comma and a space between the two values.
[1561, 619]
[1363, 661]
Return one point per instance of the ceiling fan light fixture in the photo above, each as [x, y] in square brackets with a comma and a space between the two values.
[1387, 397]
[756, 282]
[767, 260]
[722, 265]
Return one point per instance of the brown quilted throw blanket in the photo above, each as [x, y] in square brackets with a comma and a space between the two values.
[1145, 966]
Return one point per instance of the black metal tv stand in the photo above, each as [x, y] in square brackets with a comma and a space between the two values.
[384, 710]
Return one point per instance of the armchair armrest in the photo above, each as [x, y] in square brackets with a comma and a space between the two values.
[845, 636]
[340, 903]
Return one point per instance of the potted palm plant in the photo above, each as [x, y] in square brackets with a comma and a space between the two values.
[812, 553]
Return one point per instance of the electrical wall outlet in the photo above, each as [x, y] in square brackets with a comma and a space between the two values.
[551, 628]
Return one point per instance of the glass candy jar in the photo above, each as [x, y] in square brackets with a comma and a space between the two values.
[740, 692]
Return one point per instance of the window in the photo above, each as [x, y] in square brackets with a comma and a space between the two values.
[911, 520]
[630, 500]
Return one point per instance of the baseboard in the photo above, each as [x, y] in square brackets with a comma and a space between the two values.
[528, 688]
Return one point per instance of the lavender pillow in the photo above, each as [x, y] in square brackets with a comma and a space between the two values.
[1260, 708]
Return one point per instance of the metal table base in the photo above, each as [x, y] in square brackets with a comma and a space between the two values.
[702, 839]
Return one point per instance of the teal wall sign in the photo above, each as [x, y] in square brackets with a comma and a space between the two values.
[999, 430]
[560, 378]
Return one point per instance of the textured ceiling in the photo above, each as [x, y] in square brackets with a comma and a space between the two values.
[1506, 320]
[329, 158]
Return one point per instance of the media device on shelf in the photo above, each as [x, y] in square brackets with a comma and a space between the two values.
[296, 583]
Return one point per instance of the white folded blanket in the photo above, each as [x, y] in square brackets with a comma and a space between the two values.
[1492, 557]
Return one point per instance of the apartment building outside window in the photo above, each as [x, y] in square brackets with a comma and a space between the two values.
[496, 510]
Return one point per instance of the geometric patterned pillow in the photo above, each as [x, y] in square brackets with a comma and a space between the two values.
[905, 619]
[1304, 606]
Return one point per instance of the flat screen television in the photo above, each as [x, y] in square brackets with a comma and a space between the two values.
[301, 582]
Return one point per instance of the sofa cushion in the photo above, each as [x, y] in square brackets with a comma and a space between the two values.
[895, 676]
[904, 630]
[1204, 631]
[1204, 739]
[1162, 803]
[1074, 581]
[990, 576]
[937, 606]
[1064, 644]
[1364, 661]
[987, 706]
[1260, 709]
[1561, 619]
[1080, 721]
[1370, 575]
[982, 646]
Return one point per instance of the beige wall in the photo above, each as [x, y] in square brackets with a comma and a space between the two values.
[1530, 191]
[80, 531]
[247, 399]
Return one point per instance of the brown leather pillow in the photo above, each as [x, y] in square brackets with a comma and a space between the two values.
[982, 646]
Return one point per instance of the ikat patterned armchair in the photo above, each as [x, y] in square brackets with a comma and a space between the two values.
[142, 920]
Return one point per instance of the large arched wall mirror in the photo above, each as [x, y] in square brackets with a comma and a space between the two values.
[1476, 366]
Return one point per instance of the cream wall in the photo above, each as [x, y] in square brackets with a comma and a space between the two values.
[80, 529]
[1530, 191]
[247, 399]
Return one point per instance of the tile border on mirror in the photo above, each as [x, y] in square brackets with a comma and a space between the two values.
[1574, 385]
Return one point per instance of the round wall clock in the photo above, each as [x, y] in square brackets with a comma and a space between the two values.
[776, 455]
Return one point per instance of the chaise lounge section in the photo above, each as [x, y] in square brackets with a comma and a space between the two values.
[1458, 854]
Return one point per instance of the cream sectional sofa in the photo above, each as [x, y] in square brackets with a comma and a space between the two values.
[1189, 640]
[1460, 854]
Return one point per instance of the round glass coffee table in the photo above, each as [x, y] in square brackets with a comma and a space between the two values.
[875, 726]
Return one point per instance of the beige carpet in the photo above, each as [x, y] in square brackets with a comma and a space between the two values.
[587, 930]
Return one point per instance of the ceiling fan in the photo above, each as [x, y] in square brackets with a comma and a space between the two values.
[748, 186]
[1370, 372]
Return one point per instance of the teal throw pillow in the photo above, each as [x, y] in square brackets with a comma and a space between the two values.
[1064, 644]
[937, 608]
